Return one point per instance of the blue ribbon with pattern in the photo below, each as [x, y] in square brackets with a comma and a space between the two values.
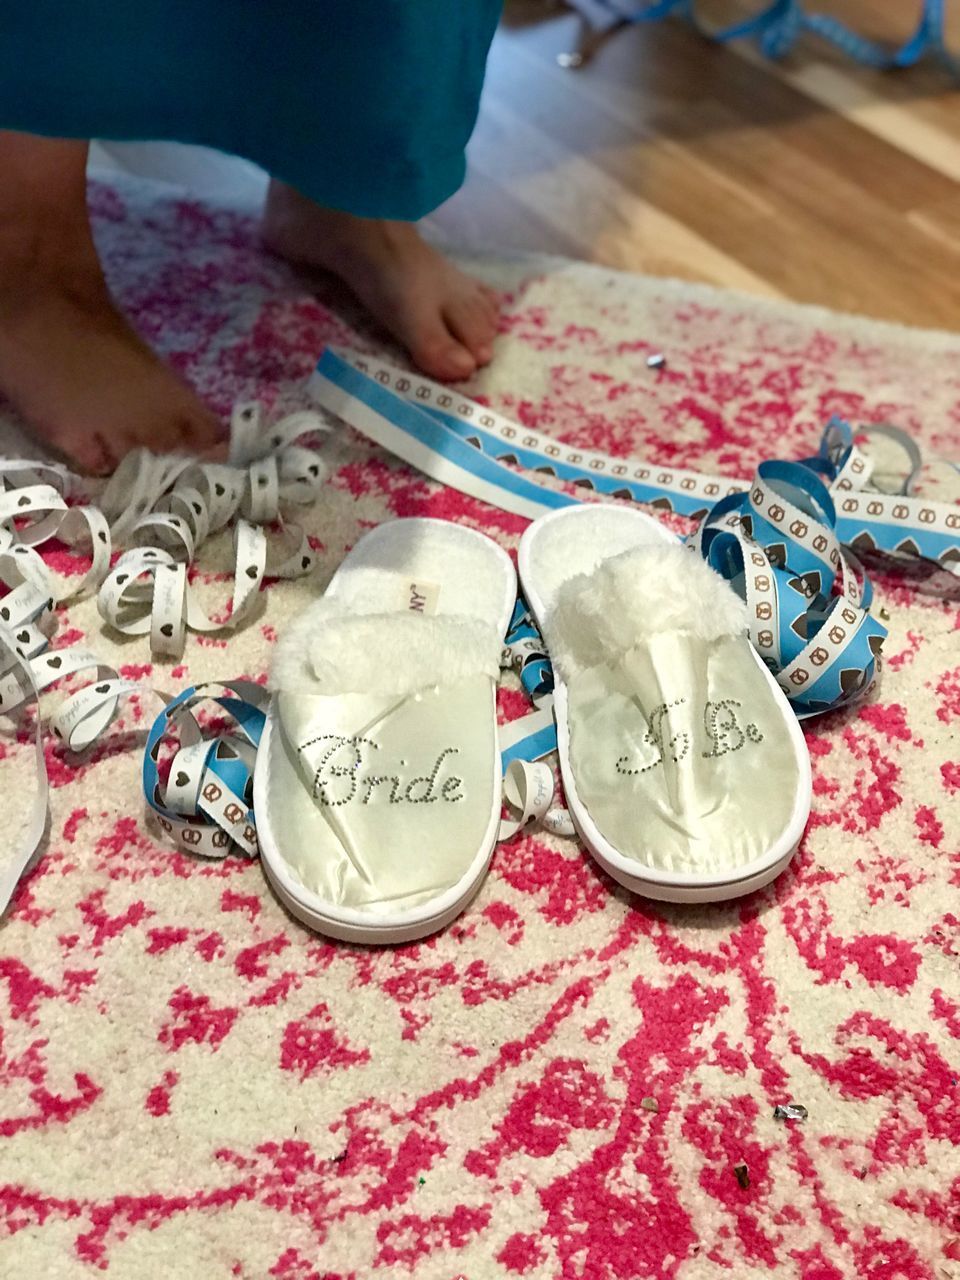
[526, 652]
[205, 804]
[787, 543]
[777, 28]
[807, 599]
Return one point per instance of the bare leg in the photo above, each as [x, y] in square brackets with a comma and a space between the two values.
[71, 364]
[445, 319]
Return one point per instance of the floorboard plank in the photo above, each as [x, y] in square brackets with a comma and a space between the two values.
[810, 179]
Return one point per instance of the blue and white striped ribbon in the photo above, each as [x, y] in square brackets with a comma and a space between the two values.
[529, 737]
[475, 450]
[780, 24]
[793, 524]
[535, 735]
[526, 652]
[205, 803]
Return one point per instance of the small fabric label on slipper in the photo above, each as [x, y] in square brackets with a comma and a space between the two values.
[417, 595]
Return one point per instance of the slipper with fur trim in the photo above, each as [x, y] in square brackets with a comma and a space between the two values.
[378, 780]
[685, 770]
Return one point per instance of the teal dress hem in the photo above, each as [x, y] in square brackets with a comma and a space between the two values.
[363, 105]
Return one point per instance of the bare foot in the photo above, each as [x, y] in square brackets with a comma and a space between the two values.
[445, 319]
[70, 363]
[85, 382]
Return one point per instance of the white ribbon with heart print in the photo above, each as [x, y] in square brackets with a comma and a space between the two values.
[164, 509]
[528, 788]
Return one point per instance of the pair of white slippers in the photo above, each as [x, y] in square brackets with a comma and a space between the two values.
[378, 783]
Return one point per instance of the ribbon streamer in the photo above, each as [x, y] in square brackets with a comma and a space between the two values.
[778, 25]
[528, 791]
[529, 737]
[165, 509]
[205, 804]
[526, 653]
[798, 527]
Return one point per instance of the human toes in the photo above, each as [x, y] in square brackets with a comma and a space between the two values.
[85, 452]
[197, 430]
[191, 430]
[177, 421]
[471, 319]
[435, 349]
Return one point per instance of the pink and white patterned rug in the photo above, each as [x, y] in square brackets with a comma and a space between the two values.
[196, 1086]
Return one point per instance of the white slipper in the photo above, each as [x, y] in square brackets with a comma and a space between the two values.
[378, 782]
[685, 770]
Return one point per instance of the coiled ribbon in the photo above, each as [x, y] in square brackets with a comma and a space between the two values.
[163, 509]
[788, 541]
[779, 24]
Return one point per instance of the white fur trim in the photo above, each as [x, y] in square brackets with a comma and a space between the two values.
[330, 651]
[639, 593]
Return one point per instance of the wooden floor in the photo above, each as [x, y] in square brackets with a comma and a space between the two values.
[811, 180]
